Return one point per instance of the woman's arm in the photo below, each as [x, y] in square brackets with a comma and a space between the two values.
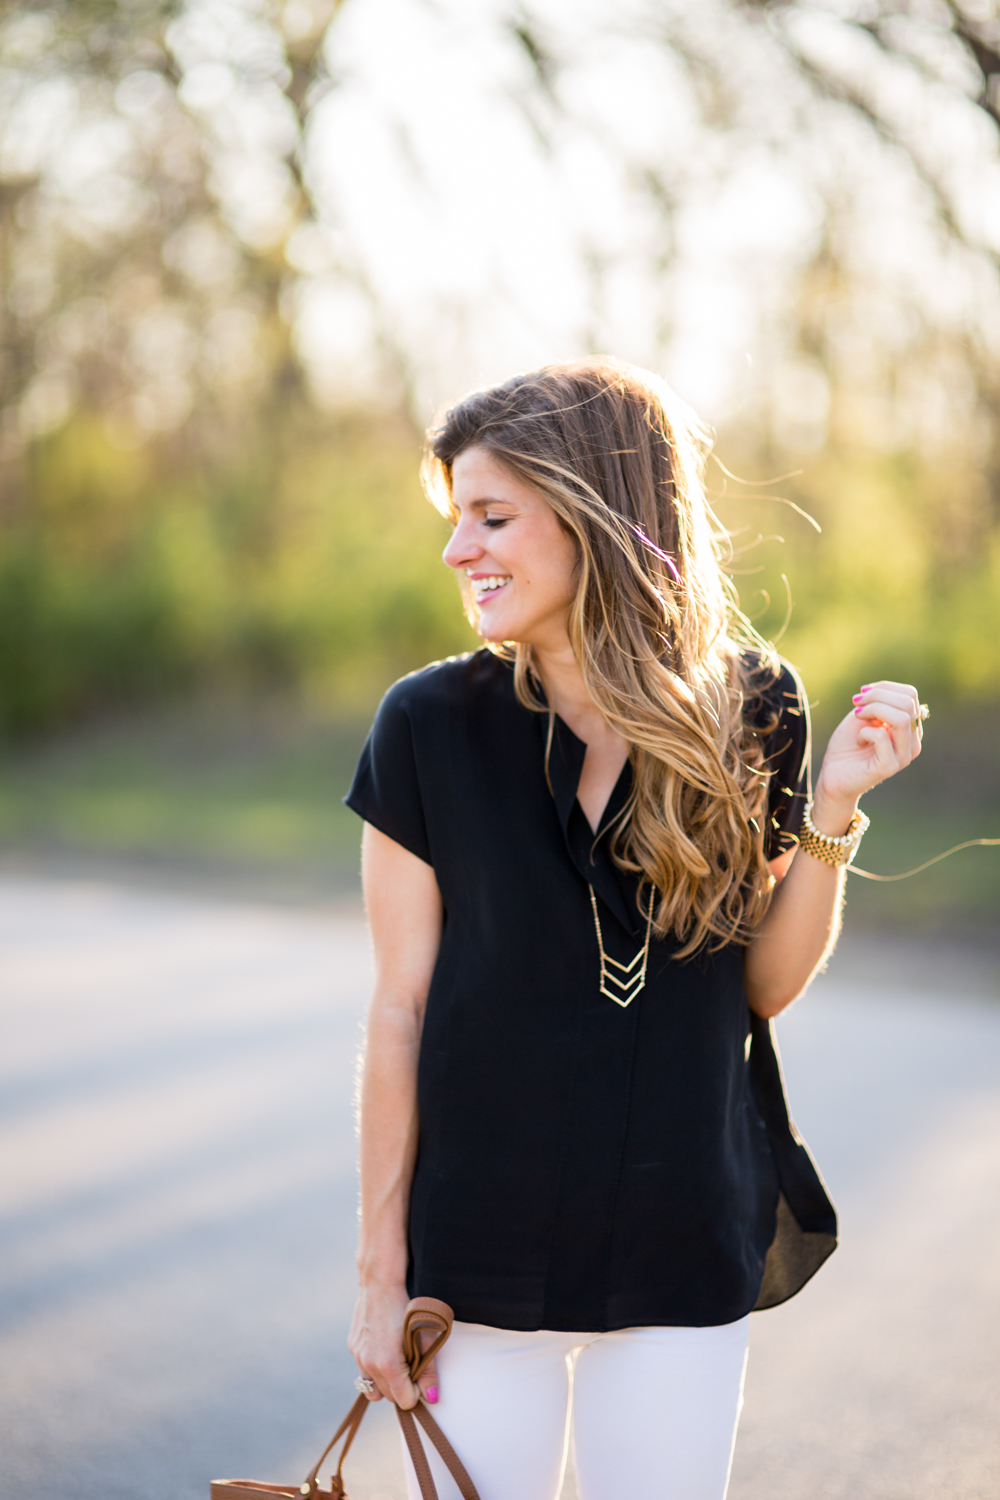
[799, 932]
[405, 914]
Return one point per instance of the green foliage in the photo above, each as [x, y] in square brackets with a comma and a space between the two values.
[235, 783]
[227, 630]
[902, 582]
[312, 562]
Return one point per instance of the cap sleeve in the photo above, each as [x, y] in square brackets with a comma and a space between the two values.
[787, 756]
[386, 786]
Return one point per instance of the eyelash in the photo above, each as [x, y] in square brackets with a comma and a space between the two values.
[494, 521]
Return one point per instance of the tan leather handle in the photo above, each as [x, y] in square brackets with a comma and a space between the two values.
[423, 1315]
[350, 1426]
[428, 1315]
[449, 1457]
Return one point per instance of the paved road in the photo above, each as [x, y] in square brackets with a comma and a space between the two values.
[177, 1210]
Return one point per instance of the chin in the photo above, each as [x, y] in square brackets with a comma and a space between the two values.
[491, 633]
[493, 629]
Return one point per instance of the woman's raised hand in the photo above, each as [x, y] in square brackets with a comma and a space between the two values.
[880, 736]
[376, 1341]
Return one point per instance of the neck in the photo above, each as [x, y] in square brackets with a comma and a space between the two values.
[564, 685]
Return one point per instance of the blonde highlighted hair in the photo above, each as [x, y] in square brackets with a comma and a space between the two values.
[654, 623]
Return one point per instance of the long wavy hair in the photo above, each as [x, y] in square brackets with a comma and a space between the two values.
[655, 624]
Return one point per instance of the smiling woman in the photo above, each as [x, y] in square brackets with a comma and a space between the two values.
[623, 600]
[518, 559]
[585, 898]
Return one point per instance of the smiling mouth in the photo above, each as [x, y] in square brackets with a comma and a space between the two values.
[485, 588]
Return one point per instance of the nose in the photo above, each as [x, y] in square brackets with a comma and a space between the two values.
[463, 550]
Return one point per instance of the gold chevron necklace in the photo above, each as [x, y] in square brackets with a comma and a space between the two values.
[629, 985]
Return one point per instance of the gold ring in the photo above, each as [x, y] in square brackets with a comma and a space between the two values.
[923, 713]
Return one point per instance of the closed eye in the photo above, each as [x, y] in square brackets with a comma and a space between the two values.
[493, 522]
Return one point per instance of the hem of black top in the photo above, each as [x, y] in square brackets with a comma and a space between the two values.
[793, 1258]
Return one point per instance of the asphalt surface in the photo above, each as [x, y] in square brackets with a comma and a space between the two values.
[177, 1209]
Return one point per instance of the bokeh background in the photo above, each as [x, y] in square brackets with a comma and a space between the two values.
[249, 247]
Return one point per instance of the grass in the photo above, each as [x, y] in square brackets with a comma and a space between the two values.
[258, 786]
[219, 781]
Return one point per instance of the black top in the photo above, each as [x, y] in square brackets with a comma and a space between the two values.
[581, 1166]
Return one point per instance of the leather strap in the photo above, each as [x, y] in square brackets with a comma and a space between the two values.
[350, 1425]
[451, 1460]
[424, 1315]
[249, 1489]
[421, 1467]
[428, 1315]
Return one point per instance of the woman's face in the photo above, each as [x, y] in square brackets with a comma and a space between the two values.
[517, 557]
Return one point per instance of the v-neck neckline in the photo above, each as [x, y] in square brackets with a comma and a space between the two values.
[611, 804]
[589, 851]
[613, 798]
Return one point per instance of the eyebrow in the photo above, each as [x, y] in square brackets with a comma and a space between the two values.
[488, 501]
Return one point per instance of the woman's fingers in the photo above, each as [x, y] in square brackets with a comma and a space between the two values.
[376, 1341]
[874, 742]
[887, 731]
[380, 1361]
[890, 714]
[877, 738]
[429, 1384]
[894, 707]
[392, 1379]
[900, 694]
[403, 1392]
[897, 694]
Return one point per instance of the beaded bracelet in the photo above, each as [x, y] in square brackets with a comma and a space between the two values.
[832, 851]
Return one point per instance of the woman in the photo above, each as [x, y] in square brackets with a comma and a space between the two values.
[591, 880]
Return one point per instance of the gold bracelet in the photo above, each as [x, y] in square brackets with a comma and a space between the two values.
[832, 851]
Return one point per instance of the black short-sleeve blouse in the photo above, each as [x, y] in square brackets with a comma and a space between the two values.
[581, 1166]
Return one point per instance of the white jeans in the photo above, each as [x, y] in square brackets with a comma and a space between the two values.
[654, 1411]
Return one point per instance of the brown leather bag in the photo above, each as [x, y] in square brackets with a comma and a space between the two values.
[424, 1314]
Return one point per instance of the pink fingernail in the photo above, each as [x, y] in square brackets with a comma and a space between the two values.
[857, 697]
[432, 1395]
[858, 713]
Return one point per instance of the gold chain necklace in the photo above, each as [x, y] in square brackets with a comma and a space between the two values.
[630, 985]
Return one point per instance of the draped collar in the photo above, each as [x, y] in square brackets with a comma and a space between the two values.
[588, 852]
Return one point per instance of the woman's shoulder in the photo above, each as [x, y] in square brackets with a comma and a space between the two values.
[404, 763]
[456, 679]
[776, 707]
[773, 683]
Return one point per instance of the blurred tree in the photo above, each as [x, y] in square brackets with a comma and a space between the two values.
[881, 353]
[954, 47]
[144, 233]
[157, 182]
[165, 479]
[172, 506]
[865, 103]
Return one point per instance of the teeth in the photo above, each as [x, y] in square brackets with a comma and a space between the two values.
[483, 586]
